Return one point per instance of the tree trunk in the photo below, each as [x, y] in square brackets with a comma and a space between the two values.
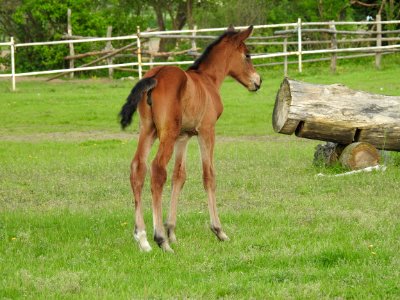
[177, 12]
[335, 113]
[189, 13]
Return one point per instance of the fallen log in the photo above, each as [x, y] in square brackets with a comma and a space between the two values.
[335, 113]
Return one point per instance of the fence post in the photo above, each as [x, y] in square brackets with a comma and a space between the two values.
[285, 61]
[109, 47]
[194, 46]
[334, 45]
[139, 52]
[71, 45]
[378, 55]
[12, 63]
[299, 45]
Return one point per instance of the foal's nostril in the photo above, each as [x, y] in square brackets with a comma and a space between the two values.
[258, 85]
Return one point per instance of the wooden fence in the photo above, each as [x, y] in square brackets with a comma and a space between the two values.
[295, 40]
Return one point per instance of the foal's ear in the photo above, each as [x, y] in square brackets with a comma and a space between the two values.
[243, 35]
[230, 28]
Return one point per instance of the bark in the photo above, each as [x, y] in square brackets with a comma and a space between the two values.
[335, 113]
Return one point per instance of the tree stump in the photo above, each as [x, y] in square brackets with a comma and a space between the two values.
[337, 114]
[328, 154]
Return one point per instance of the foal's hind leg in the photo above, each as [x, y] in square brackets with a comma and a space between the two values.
[178, 180]
[138, 173]
[206, 141]
[158, 178]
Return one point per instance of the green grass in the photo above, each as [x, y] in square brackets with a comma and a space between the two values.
[66, 213]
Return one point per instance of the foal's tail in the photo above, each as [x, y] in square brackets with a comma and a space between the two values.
[143, 86]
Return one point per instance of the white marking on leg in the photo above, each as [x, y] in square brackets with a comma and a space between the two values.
[141, 238]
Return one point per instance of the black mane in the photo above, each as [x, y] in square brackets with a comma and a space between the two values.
[206, 52]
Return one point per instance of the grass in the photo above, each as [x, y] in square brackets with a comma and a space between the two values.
[66, 213]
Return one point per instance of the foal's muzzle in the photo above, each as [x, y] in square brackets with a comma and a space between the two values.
[255, 82]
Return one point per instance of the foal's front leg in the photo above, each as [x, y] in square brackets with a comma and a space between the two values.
[206, 139]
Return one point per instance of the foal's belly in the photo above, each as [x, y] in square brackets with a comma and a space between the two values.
[189, 126]
[192, 117]
[196, 106]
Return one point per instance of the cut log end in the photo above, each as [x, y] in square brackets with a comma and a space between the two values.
[359, 155]
[280, 121]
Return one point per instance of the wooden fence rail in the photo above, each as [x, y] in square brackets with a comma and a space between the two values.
[299, 35]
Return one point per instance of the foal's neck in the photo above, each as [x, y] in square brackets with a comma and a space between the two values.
[215, 69]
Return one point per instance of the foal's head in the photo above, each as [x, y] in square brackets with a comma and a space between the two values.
[230, 53]
[239, 64]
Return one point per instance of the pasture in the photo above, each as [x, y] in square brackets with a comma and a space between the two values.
[66, 211]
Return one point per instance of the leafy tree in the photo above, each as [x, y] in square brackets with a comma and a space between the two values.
[389, 9]
[46, 20]
[217, 13]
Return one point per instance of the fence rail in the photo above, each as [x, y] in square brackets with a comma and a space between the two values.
[294, 31]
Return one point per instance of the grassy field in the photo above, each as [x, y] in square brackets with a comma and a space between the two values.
[66, 212]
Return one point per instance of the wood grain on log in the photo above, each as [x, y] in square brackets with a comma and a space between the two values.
[359, 155]
[335, 113]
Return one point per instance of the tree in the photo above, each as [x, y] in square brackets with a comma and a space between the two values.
[236, 12]
[389, 10]
[174, 11]
[46, 20]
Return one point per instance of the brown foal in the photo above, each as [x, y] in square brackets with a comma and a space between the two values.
[175, 105]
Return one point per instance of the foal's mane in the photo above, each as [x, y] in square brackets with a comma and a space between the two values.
[206, 52]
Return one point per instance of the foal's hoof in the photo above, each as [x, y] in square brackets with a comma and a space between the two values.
[145, 246]
[166, 248]
[223, 237]
[141, 238]
[220, 234]
[171, 233]
[171, 236]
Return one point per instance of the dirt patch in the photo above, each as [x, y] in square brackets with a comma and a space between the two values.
[249, 138]
[102, 135]
[69, 136]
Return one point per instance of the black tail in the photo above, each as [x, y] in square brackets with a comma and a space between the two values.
[143, 86]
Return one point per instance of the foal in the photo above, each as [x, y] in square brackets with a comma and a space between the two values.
[175, 105]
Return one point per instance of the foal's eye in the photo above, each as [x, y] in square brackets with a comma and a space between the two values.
[248, 56]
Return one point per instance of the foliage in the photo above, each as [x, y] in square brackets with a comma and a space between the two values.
[223, 13]
[46, 20]
[309, 11]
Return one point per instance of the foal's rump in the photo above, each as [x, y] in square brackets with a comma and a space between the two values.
[160, 86]
[145, 85]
